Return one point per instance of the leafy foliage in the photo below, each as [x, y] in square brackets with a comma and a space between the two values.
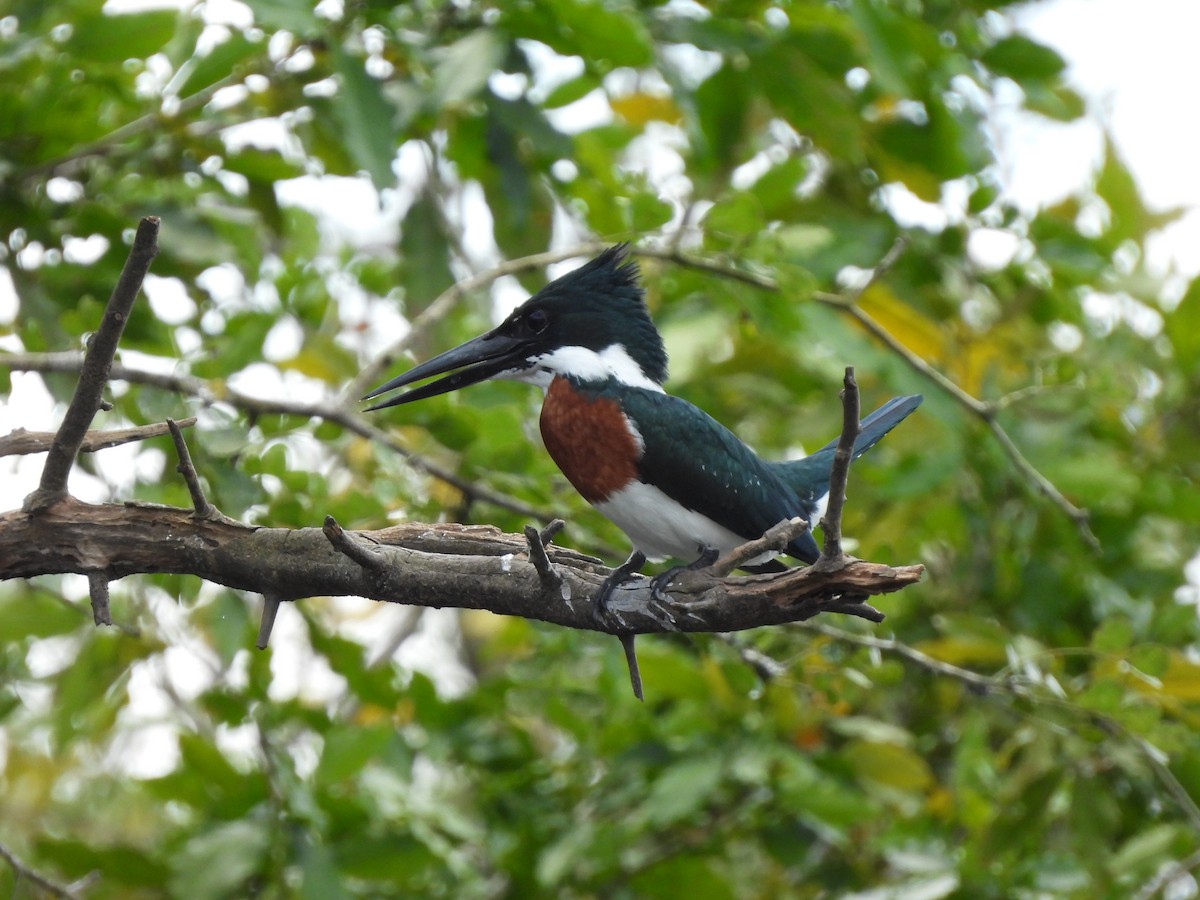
[1033, 731]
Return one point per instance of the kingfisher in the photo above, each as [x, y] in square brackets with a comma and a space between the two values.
[673, 479]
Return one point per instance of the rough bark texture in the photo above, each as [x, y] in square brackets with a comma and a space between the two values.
[470, 567]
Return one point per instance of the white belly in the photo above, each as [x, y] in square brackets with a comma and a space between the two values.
[661, 528]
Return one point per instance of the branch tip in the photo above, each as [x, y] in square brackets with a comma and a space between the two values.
[553, 527]
[269, 611]
[831, 524]
[98, 592]
[93, 375]
[345, 544]
[188, 471]
[635, 673]
[550, 577]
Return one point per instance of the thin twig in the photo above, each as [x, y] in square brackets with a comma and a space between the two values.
[31, 875]
[981, 683]
[1166, 875]
[93, 375]
[188, 471]
[20, 442]
[550, 532]
[766, 667]
[984, 685]
[776, 538]
[121, 135]
[552, 579]
[405, 629]
[348, 546]
[831, 523]
[98, 591]
[328, 411]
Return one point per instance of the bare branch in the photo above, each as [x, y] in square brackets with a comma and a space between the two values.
[831, 524]
[98, 591]
[58, 891]
[93, 375]
[20, 442]
[1166, 875]
[353, 549]
[1008, 684]
[327, 410]
[469, 567]
[776, 538]
[552, 580]
[188, 471]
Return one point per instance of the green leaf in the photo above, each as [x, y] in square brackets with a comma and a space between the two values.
[1183, 329]
[296, 16]
[888, 764]
[368, 119]
[218, 862]
[102, 38]
[682, 790]
[347, 750]
[1114, 634]
[1022, 59]
[220, 62]
[571, 90]
[34, 613]
[465, 67]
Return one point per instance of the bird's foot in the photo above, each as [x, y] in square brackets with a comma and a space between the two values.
[627, 571]
[661, 582]
[611, 622]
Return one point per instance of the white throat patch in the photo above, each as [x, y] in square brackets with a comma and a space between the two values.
[611, 362]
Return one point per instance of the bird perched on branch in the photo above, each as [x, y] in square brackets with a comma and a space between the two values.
[676, 481]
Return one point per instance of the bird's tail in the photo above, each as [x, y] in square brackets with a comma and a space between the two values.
[809, 477]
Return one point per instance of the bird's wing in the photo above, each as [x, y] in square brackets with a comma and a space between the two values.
[698, 462]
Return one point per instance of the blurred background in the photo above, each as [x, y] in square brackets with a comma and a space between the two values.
[1023, 724]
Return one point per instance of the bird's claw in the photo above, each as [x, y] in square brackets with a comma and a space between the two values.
[662, 582]
[601, 610]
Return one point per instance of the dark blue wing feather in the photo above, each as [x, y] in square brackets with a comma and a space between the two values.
[698, 462]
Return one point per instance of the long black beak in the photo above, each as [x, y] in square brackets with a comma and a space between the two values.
[477, 360]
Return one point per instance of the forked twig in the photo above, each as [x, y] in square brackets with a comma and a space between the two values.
[93, 376]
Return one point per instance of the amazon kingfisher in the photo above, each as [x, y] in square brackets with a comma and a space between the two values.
[676, 481]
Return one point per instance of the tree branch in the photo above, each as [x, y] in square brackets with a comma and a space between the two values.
[93, 375]
[20, 442]
[327, 410]
[831, 523]
[40, 881]
[469, 567]
[185, 468]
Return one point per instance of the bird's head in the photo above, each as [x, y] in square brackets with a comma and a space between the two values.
[590, 324]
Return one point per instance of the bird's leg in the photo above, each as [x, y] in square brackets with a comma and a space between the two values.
[662, 581]
[609, 621]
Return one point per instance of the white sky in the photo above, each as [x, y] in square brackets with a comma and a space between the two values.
[1137, 65]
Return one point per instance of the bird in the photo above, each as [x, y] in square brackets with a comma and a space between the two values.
[678, 483]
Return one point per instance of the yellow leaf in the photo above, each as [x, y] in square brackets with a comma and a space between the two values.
[640, 108]
[1182, 679]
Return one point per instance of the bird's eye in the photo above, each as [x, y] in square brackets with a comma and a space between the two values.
[538, 321]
